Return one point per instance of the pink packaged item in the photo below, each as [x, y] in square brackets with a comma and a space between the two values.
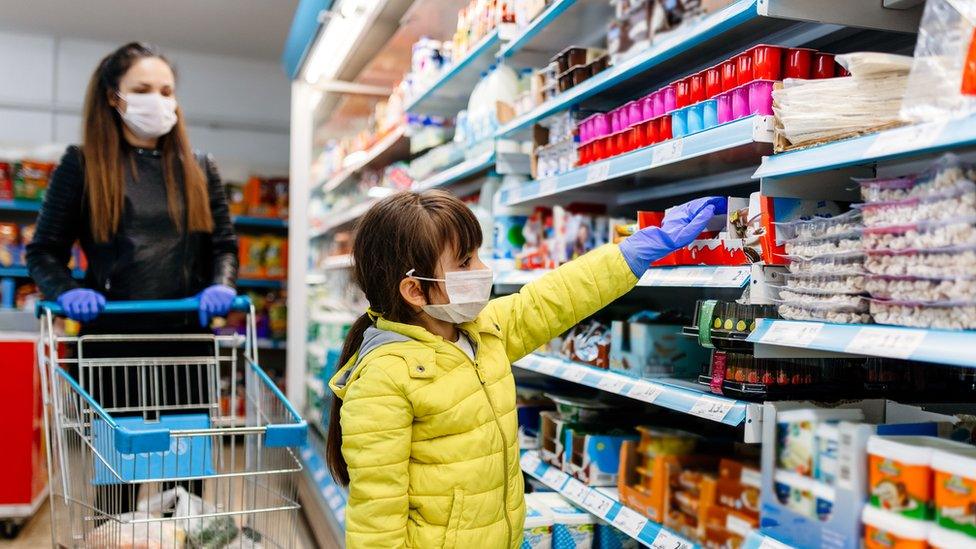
[724, 101]
[740, 102]
[657, 103]
[647, 107]
[761, 97]
[634, 113]
[670, 99]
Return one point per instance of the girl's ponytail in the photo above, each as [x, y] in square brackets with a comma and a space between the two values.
[333, 443]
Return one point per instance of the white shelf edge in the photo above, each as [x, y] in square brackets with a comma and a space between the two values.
[657, 277]
[469, 167]
[371, 154]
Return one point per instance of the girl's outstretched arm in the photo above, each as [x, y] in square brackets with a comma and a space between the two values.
[376, 435]
[554, 303]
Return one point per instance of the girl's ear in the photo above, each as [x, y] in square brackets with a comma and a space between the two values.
[412, 293]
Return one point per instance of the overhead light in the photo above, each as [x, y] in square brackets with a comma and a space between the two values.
[347, 21]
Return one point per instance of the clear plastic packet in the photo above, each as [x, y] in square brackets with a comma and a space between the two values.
[842, 244]
[929, 289]
[954, 261]
[944, 174]
[923, 235]
[824, 301]
[936, 315]
[819, 227]
[825, 283]
[852, 263]
[840, 316]
[138, 530]
[953, 202]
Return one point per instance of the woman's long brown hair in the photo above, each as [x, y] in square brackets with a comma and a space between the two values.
[404, 231]
[105, 154]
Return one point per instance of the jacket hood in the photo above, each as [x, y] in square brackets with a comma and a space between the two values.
[373, 338]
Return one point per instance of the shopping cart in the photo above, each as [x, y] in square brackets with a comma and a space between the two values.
[145, 448]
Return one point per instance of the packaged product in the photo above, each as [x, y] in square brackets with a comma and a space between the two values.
[140, 530]
[827, 246]
[940, 315]
[795, 492]
[955, 490]
[915, 288]
[572, 528]
[595, 458]
[538, 523]
[609, 537]
[957, 201]
[647, 346]
[6, 182]
[841, 315]
[30, 179]
[944, 175]
[887, 530]
[825, 284]
[825, 458]
[251, 254]
[941, 538]
[937, 262]
[797, 435]
[788, 212]
[848, 264]
[275, 257]
[923, 235]
[819, 227]
[900, 474]
[9, 245]
[588, 343]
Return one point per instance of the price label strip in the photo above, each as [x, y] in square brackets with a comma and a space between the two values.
[575, 491]
[554, 478]
[530, 462]
[574, 373]
[711, 408]
[611, 384]
[667, 152]
[889, 342]
[792, 334]
[629, 522]
[597, 172]
[598, 504]
[667, 540]
[547, 367]
[548, 186]
[645, 392]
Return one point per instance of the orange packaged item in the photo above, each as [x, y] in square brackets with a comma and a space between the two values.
[6, 182]
[30, 181]
[251, 253]
[886, 530]
[9, 245]
[252, 196]
[955, 490]
[275, 257]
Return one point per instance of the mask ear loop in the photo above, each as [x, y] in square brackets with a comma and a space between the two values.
[411, 275]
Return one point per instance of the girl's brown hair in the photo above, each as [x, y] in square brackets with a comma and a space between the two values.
[404, 231]
[105, 149]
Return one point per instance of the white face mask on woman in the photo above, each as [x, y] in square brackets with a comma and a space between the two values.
[148, 115]
[467, 295]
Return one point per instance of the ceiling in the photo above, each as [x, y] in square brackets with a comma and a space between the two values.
[253, 29]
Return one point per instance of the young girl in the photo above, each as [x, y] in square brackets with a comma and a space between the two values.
[423, 426]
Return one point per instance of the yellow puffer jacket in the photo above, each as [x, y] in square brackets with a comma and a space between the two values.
[430, 435]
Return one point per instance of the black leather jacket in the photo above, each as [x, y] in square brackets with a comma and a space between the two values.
[148, 258]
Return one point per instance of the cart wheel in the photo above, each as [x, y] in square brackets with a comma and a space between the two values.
[9, 528]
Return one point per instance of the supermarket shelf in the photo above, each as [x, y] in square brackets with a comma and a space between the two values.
[758, 540]
[689, 47]
[332, 496]
[580, 23]
[20, 205]
[458, 172]
[719, 150]
[449, 93]
[348, 215]
[788, 338]
[904, 142]
[260, 222]
[260, 283]
[686, 398]
[272, 344]
[604, 504]
[22, 272]
[343, 261]
[394, 146]
[660, 277]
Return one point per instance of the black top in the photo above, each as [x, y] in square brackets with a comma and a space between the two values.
[147, 258]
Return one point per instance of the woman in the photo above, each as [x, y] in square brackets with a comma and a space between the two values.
[151, 216]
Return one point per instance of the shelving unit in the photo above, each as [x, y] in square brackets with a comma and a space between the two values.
[260, 222]
[473, 166]
[260, 283]
[22, 272]
[393, 146]
[659, 277]
[20, 205]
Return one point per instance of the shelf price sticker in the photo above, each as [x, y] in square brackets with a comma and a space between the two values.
[893, 343]
[909, 138]
[319, 475]
[629, 522]
[645, 391]
[598, 504]
[597, 172]
[791, 333]
[554, 478]
[711, 408]
[530, 462]
[547, 367]
[667, 152]
[548, 186]
[667, 540]
[574, 373]
[575, 490]
[611, 384]
[770, 543]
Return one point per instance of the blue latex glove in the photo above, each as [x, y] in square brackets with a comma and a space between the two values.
[82, 304]
[681, 225]
[215, 301]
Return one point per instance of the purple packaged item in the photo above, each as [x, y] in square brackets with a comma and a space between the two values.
[657, 104]
[740, 102]
[670, 99]
[615, 121]
[601, 126]
[634, 113]
[624, 117]
[761, 97]
[724, 107]
[584, 130]
[647, 107]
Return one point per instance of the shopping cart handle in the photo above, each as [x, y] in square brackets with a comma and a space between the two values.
[185, 305]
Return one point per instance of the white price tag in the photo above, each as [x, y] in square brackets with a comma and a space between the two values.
[574, 373]
[889, 342]
[530, 461]
[319, 475]
[575, 491]
[514, 195]
[667, 540]
[737, 525]
[629, 522]
[554, 478]
[909, 138]
[307, 454]
[770, 543]
[611, 384]
[729, 276]
[791, 333]
[711, 408]
[597, 172]
[598, 504]
[645, 392]
[340, 514]
[548, 186]
[335, 502]
[548, 367]
[667, 152]
[329, 491]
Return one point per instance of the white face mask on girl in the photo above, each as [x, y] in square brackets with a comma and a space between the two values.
[148, 115]
[467, 295]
